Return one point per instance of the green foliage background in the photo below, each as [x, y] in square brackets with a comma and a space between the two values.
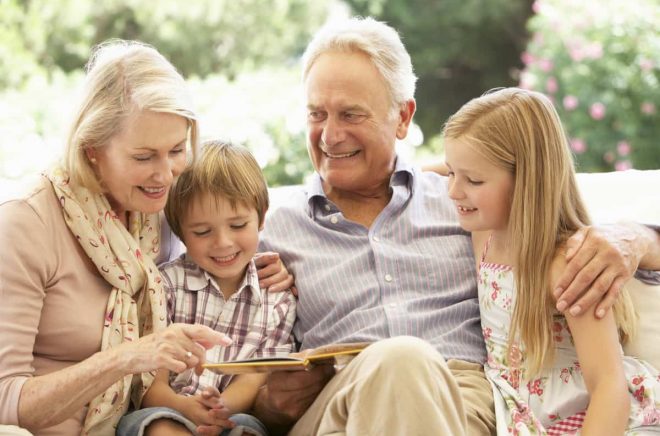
[241, 58]
[600, 61]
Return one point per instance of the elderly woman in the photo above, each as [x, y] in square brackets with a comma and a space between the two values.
[83, 312]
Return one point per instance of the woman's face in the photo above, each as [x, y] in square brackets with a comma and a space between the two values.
[138, 165]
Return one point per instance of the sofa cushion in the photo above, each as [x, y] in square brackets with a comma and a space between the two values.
[644, 345]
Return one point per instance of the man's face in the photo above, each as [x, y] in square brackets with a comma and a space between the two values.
[351, 125]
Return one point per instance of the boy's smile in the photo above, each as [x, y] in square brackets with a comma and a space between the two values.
[221, 239]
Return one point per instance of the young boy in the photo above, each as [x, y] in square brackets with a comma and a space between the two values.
[217, 209]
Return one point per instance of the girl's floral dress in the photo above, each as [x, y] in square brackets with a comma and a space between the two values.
[555, 402]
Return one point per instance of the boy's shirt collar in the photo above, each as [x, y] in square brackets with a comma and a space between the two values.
[196, 279]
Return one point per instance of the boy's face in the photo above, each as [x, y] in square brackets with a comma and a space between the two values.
[221, 239]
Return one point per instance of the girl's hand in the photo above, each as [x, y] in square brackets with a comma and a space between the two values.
[272, 273]
[176, 348]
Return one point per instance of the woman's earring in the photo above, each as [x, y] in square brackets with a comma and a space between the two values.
[93, 160]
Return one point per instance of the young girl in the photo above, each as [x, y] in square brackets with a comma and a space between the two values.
[511, 177]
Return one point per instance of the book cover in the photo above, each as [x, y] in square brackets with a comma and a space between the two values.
[336, 354]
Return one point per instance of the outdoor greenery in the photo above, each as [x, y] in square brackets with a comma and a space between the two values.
[599, 60]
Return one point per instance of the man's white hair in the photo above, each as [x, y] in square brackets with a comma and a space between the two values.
[380, 42]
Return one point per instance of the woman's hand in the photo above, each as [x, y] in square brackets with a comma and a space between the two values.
[176, 348]
[272, 273]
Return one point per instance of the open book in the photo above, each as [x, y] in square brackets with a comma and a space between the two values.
[337, 354]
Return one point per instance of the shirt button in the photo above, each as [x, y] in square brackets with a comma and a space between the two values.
[376, 238]
[333, 220]
[392, 305]
[327, 207]
[388, 278]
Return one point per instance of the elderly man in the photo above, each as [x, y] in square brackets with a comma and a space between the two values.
[378, 256]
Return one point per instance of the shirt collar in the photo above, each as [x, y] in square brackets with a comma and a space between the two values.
[403, 175]
[197, 279]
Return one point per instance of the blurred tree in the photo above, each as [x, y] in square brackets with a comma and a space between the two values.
[459, 48]
[600, 62]
[202, 38]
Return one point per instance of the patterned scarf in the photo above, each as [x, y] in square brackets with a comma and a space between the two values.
[125, 259]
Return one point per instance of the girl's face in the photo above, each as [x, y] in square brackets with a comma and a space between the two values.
[138, 165]
[481, 191]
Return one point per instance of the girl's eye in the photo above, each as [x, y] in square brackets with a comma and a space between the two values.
[238, 226]
[141, 158]
[475, 182]
[178, 150]
[201, 232]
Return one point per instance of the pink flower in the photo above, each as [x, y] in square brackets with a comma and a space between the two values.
[576, 52]
[578, 145]
[648, 108]
[646, 64]
[594, 50]
[527, 58]
[551, 85]
[609, 157]
[623, 165]
[536, 6]
[487, 332]
[570, 102]
[623, 148]
[546, 65]
[651, 416]
[597, 111]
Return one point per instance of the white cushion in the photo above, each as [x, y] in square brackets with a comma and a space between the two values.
[644, 345]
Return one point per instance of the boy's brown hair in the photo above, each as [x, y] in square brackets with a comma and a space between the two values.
[222, 169]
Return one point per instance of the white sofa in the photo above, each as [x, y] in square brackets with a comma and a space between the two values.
[634, 196]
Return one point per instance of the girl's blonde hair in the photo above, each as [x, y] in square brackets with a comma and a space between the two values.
[122, 77]
[520, 131]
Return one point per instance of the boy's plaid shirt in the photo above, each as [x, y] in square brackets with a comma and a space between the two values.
[259, 322]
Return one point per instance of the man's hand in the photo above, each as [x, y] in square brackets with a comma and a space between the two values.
[288, 394]
[600, 260]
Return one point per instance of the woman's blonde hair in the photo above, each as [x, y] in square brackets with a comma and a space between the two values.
[122, 77]
[520, 131]
[224, 170]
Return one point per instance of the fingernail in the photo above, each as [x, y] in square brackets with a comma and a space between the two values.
[561, 306]
[575, 310]
[600, 313]
[557, 292]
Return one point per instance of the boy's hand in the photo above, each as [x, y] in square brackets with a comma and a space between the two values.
[208, 412]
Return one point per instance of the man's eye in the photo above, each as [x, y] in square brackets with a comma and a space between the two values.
[142, 158]
[352, 117]
[315, 115]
